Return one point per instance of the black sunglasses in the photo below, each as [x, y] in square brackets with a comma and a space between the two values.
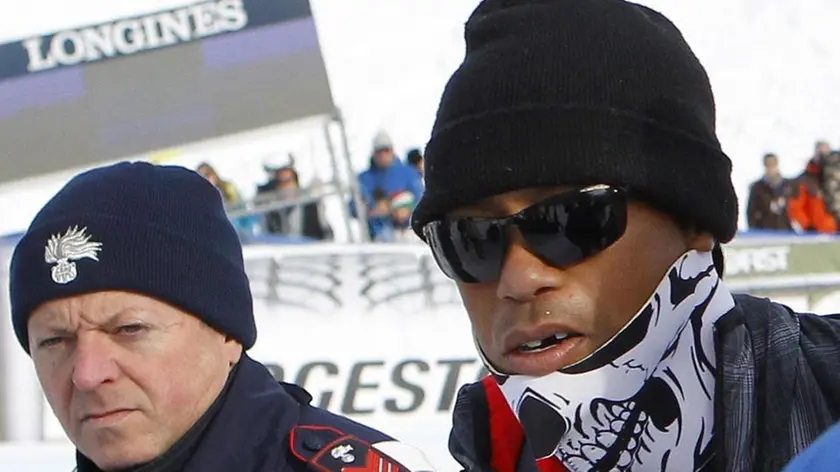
[561, 230]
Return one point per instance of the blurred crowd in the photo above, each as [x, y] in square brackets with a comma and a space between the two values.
[391, 185]
[389, 188]
[806, 203]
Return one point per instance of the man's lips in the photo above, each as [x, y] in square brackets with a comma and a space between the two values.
[516, 338]
[104, 415]
[542, 349]
[545, 361]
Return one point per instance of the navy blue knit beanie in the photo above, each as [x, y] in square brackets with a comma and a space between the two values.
[159, 231]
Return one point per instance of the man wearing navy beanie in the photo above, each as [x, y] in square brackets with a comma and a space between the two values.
[577, 194]
[129, 293]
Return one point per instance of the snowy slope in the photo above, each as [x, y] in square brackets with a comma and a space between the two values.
[774, 67]
[773, 64]
[775, 71]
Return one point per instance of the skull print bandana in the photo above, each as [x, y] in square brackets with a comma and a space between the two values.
[644, 400]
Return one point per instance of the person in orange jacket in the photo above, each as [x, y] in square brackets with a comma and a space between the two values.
[807, 207]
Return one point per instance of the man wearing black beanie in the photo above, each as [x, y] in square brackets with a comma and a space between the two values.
[577, 193]
[129, 292]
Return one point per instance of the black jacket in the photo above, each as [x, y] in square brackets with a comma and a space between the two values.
[260, 425]
[778, 388]
[311, 228]
[767, 206]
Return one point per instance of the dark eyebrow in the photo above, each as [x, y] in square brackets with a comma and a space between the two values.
[53, 331]
[119, 317]
[52, 328]
[52, 323]
[490, 207]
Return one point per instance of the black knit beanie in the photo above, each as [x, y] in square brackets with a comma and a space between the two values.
[578, 92]
[160, 231]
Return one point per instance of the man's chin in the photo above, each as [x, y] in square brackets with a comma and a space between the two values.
[119, 454]
[108, 461]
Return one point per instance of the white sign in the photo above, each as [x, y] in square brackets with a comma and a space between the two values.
[756, 260]
[373, 332]
[130, 36]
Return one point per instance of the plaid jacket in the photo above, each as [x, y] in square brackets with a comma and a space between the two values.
[778, 388]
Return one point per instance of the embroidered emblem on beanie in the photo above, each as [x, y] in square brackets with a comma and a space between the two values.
[63, 249]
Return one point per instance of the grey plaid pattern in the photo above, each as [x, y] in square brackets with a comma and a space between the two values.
[780, 386]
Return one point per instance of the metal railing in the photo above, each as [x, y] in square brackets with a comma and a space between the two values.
[267, 202]
[347, 192]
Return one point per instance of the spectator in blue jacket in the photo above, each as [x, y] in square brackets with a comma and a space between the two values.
[388, 172]
[387, 175]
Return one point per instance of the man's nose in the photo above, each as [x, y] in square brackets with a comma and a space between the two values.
[93, 363]
[524, 276]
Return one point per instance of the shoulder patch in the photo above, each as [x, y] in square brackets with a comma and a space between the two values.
[326, 449]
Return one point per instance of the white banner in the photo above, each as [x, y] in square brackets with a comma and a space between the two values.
[375, 333]
[21, 401]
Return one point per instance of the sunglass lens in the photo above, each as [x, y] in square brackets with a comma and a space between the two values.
[562, 230]
[564, 233]
[468, 250]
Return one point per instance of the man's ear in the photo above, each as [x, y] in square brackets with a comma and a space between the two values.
[700, 241]
[233, 350]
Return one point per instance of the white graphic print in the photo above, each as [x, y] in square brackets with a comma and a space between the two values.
[644, 400]
[63, 249]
